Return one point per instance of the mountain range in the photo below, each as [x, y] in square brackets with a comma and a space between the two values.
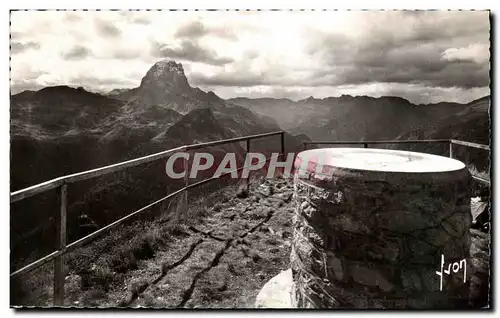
[368, 118]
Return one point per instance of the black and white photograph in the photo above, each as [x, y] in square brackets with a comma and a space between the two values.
[250, 159]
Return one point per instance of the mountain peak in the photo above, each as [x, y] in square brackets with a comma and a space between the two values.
[166, 76]
[166, 85]
[167, 66]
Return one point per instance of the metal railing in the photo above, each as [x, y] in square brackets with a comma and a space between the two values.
[62, 183]
[451, 142]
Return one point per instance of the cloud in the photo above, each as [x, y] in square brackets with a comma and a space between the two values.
[189, 51]
[72, 17]
[477, 53]
[78, 52]
[196, 29]
[124, 54]
[18, 47]
[235, 79]
[99, 83]
[107, 29]
[28, 81]
[193, 29]
[136, 17]
[15, 36]
[141, 20]
[16, 88]
[417, 53]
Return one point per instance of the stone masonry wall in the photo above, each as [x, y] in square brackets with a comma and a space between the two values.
[363, 243]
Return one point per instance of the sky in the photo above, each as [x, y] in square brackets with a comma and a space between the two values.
[423, 56]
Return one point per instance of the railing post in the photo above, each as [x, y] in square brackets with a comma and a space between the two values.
[59, 276]
[186, 183]
[365, 145]
[249, 171]
[283, 145]
[305, 145]
[451, 149]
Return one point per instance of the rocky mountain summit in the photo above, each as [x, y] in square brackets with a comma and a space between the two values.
[166, 85]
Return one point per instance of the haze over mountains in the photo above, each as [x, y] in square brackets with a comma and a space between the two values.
[368, 118]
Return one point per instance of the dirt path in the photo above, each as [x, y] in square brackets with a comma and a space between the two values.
[223, 259]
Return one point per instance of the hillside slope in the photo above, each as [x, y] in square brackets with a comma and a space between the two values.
[471, 124]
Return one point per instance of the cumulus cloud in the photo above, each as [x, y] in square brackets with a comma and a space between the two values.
[125, 54]
[18, 87]
[189, 51]
[141, 20]
[18, 47]
[107, 29]
[136, 17]
[29, 81]
[77, 52]
[98, 83]
[72, 17]
[477, 53]
[196, 29]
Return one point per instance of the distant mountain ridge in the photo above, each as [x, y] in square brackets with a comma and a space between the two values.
[471, 124]
[355, 118]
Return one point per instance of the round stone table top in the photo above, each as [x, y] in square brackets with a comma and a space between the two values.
[371, 159]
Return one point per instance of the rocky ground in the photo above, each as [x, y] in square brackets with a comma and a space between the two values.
[219, 260]
[225, 258]
[480, 284]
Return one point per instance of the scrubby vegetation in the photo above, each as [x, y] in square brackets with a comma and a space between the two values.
[226, 242]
